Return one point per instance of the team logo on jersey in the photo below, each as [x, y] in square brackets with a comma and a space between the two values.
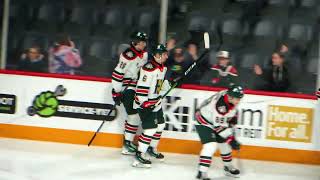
[222, 109]
[149, 66]
[129, 54]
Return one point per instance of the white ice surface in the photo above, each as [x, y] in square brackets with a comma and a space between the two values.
[34, 160]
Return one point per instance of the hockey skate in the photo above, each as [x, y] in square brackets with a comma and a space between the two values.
[231, 171]
[154, 154]
[202, 176]
[128, 148]
[141, 161]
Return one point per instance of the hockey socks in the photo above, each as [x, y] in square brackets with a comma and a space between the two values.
[144, 142]
[205, 159]
[131, 127]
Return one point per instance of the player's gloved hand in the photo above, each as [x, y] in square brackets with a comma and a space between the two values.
[147, 106]
[235, 145]
[116, 97]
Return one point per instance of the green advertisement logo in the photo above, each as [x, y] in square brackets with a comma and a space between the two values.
[46, 103]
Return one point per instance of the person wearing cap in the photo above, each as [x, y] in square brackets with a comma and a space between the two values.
[224, 73]
[124, 81]
[216, 119]
[151, 85]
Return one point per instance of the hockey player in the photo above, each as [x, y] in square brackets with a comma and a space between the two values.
[318, 94]
[124, 81]
[148, 103]
[216, 119]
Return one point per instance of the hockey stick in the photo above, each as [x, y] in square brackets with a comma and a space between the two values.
[104, 120]
[206, 39]
[98, 130]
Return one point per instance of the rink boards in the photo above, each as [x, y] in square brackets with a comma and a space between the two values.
[33, 106]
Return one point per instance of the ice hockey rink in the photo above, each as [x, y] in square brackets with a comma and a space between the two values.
[35, 160]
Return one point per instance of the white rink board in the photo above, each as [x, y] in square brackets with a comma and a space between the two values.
[179, 113]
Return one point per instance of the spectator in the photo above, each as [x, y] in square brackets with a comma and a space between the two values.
[33, 60]
[64, 58]
[171, 43]
[276, 77]
[192, 49]
[224, 73]
[201, 68]
[176, 64]
[283, 49]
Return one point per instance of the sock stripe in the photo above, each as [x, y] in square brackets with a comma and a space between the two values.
[144, 142]
[205, 161]
[131, 128]
[130, 125]
[205, 165]
[157, 134]
[206, 157]
[131, 132]
[227, 160]
[145, 139]
[226, 157]
[223, 155]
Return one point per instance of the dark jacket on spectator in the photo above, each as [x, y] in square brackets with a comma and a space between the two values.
[175, 69]
[275, 78]
[39, 65]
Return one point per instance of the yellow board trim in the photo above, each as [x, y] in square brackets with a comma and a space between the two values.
[166, 144]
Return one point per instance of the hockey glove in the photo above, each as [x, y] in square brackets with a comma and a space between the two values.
[148, 106]
[116, 97]
[235, 145]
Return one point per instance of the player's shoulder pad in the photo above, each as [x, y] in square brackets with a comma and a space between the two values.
[129, 54]
[149, 67]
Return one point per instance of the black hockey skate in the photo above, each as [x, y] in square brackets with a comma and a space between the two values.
[202, 176]
[231, 171]
[153, 153]
[128, 148]
[141, 161]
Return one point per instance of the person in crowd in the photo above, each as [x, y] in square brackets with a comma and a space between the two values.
[202, 67]
[171, 43]
[192, 49]
[64, 58]
[33, 60]
[276, 77]
[224, 73]
[176, 64]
